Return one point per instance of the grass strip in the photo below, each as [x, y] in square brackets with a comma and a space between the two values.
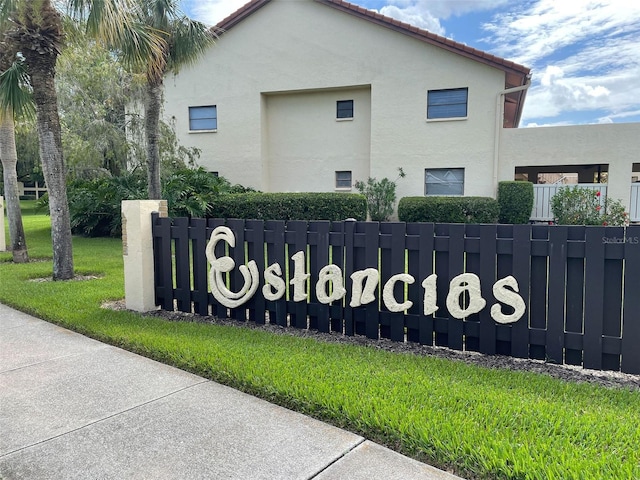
[481, 423]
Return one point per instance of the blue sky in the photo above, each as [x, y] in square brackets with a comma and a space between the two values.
[584, 54]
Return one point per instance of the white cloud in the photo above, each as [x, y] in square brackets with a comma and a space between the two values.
[553, 124]
[585, 55]
[443, 9]
[414, 16]
[427, 14]
[528, 33]
[211, 12]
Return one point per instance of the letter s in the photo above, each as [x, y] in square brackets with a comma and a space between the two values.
[508, 297]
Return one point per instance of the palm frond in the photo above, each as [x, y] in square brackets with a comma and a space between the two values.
[7, 10]
[15, 94]
[189, 40]
[119, 24]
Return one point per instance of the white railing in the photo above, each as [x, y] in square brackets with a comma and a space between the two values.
[542, 195]
[38, 190]
[634, 207]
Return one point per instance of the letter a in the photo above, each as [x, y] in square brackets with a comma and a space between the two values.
[466, 282]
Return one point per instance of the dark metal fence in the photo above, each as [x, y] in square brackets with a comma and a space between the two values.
[580, 285]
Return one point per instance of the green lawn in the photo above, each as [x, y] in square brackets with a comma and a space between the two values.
[482, 423]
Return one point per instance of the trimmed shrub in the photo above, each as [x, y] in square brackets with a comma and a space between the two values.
[380, 195]
[290, 206]
[448, 209]
[516, 202]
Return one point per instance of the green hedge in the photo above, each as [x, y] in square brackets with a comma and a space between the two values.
[290, 206]
[448, 209]
[516, 202]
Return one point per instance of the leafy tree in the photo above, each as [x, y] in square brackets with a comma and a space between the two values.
[35, 29]
[14, 99]
[173, 156]
[92, 91]
[186, 40]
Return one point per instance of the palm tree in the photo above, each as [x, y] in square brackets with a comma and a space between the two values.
[186, 40]
[13, 100]
[35, 29]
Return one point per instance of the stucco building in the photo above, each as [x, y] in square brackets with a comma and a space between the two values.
[312, 95]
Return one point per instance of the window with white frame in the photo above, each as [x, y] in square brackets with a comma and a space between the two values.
[450, 103]
[203, 118]
[344, 109]
[343, 179]
[444, 181]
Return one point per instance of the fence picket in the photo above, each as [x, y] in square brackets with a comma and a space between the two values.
[420, 263]
[199, 295]
[594, 299]
[275, 238]
[631, 310]
[488, 247]
[255, 247]
[182, 293]
[296, 238]
[318, 258]
[522, 272]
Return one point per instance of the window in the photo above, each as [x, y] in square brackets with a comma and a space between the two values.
[447, 103]
[444, 181]
[203, 118]
[344, 109]
[343, 179]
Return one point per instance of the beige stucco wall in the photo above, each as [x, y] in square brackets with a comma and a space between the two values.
[617, 145]
[289, 54]
[316, 144]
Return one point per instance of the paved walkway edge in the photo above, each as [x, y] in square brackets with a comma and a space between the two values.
[75, 408]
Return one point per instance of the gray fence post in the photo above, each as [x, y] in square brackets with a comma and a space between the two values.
[3, 241]
[137, 245]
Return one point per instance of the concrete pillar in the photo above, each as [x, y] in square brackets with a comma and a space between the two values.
[619, 182]
[137, 244]
[3, 240]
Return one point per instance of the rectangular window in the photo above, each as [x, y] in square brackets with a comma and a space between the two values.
[450, 103]
[203, 118]
[344, 109]
[343, 179]
[444, 181]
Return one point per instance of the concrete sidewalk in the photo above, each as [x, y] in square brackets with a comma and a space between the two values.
[75, 408]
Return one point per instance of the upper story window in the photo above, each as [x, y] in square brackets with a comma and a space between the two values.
[450, 103]
[444, 181]
[203, 118]
[344, 109]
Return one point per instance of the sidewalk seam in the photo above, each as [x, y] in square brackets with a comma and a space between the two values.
[103, 419]
[53, 359]
[337, 459]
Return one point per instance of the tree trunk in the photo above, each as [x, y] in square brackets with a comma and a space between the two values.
[152, 106]
[9, 159]
[42, 73]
